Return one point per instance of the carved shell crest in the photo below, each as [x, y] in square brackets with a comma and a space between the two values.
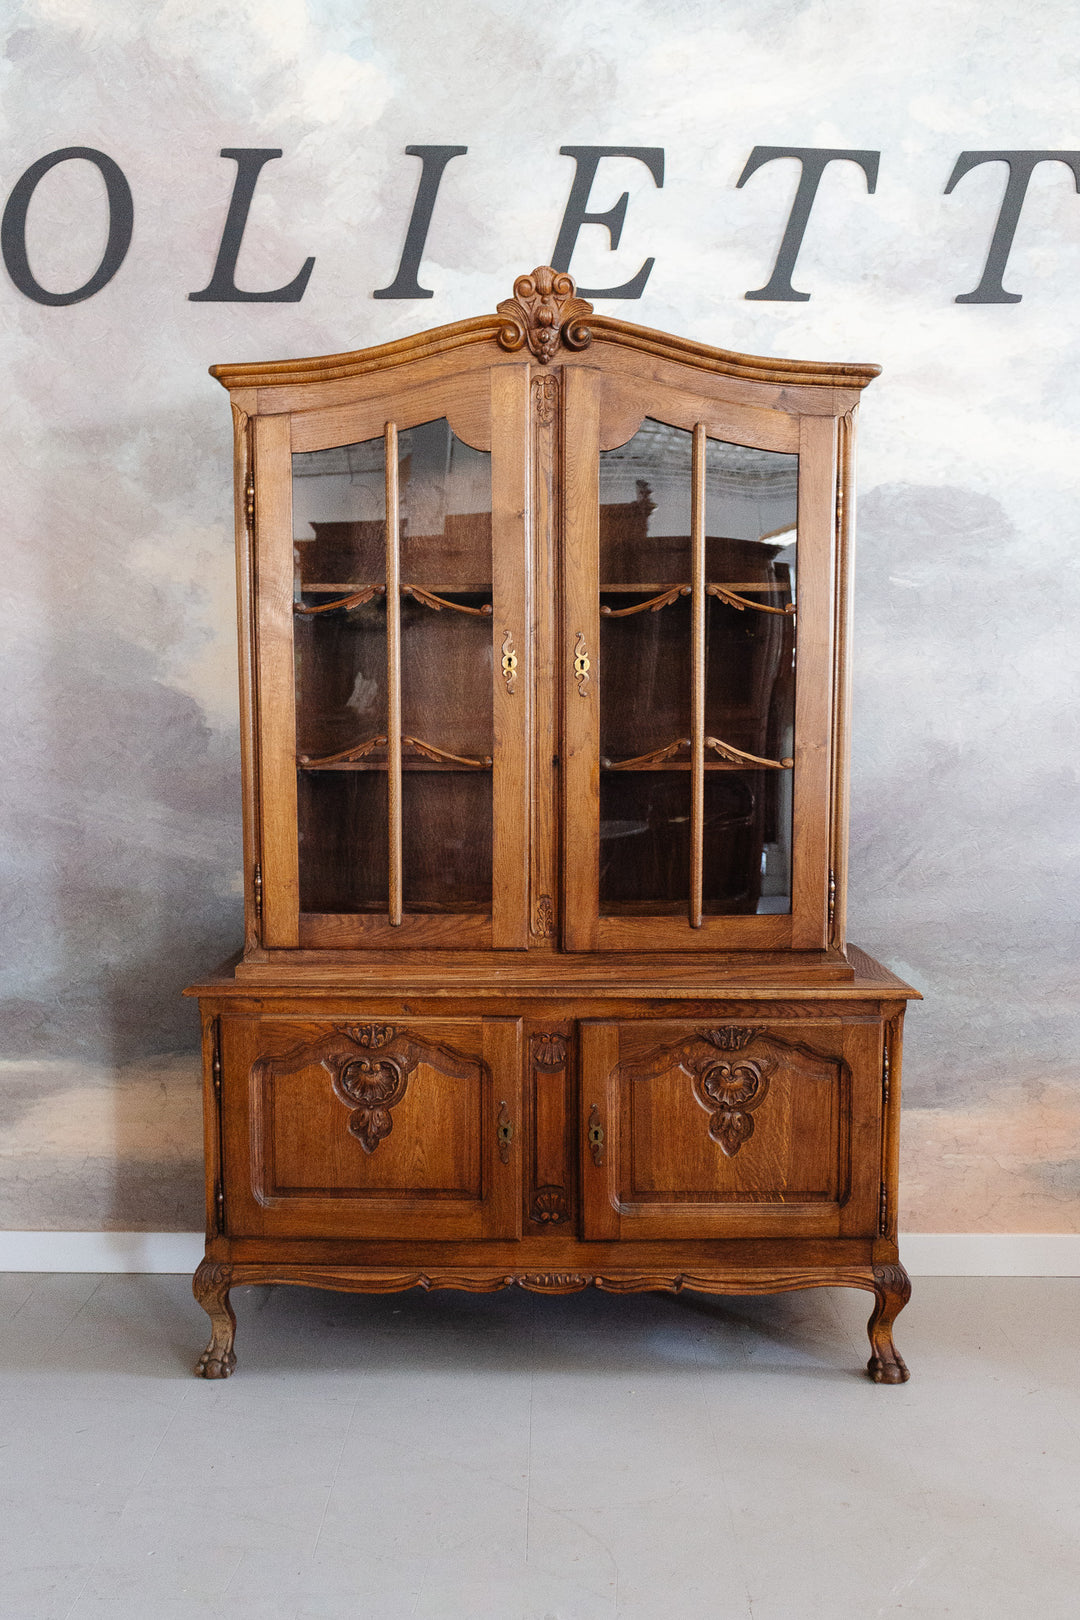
[543, 312]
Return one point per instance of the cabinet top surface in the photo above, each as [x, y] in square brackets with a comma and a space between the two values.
[546, 318]
[822, 976]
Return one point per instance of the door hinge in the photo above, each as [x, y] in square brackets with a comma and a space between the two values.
[219, 1207]
[249, 503]
[885, 1073]
[883, 1212]
[256, 884]
[839, 507]
[832, 896]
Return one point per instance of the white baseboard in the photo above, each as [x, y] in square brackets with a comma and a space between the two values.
[926, 1254]
[100, 1251]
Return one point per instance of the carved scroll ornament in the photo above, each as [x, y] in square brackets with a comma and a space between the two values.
[369, 1067]
[544, 312]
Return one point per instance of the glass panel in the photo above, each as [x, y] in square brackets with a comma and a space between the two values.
[750, 517]
[645, 656]
[342, 716]
[339, 545]
[446, 671]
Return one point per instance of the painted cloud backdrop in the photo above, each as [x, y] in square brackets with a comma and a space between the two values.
[119, 796]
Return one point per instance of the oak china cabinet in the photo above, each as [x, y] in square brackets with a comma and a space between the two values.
[544, 676]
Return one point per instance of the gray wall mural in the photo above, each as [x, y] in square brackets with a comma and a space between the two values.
[120, 806]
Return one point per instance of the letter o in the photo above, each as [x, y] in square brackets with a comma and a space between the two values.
[13, 228]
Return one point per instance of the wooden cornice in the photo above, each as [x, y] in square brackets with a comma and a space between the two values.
[546, 316]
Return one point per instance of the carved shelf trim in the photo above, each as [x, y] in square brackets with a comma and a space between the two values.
[429, 751]
[346, 755]
[733, 599]
[356, 599]
[653, 605]
[429, 599]
[543, 313]
[727, 751]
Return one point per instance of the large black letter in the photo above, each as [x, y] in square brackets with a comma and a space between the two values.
[434, 158]
[815, 160]
[1021, 164]
[587, 158]
[13, 229]
[222, 288]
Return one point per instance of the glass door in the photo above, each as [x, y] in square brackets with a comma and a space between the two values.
[683, 770]
[399, 747]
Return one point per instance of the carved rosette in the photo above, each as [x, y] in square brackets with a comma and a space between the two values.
[728, 1092]
[543, 312]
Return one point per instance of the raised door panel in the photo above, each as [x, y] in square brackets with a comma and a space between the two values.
[697, 669]
[366, 1129]
[727, 1130]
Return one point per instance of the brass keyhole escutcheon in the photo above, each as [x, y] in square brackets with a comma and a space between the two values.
[596, 1136]
[582, 666]
[509, 662]
[504, 1133]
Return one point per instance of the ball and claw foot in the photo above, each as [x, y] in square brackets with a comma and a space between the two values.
[210, 1286]
[892, 1291]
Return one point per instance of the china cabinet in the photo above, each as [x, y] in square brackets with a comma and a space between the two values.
[544, 681]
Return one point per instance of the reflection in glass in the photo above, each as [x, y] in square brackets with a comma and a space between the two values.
[342, 686]
[645, 658]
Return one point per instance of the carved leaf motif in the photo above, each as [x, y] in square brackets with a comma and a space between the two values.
[369, 1067]
[544, 312]
[544, 918]
[728, 1092]
[730, 1037]
[546, 396]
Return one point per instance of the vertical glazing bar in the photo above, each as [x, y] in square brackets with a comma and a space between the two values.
[393, 670]
[697, 675]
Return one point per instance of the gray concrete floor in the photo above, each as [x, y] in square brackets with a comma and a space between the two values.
[508, 1457]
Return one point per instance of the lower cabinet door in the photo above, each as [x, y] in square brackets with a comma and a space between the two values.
[698, 1130]
[351, 1129]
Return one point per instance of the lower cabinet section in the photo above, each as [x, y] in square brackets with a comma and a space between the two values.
[502, 1140]
[370, 1129]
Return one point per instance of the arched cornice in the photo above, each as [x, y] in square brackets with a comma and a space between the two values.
[547, 317]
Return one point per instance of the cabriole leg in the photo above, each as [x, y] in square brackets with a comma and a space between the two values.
[210, 1285]
[892, 1290]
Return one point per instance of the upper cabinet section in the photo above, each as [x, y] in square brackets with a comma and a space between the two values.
[543, 624]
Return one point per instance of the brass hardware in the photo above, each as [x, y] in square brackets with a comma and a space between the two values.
[504, 1134]
[509, 662]
[581, 665]
[883, 1219]
[832, 896]
[596, 1136]
[885, 1074]
[249, 502]
[219, 1206]
[256, 884]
